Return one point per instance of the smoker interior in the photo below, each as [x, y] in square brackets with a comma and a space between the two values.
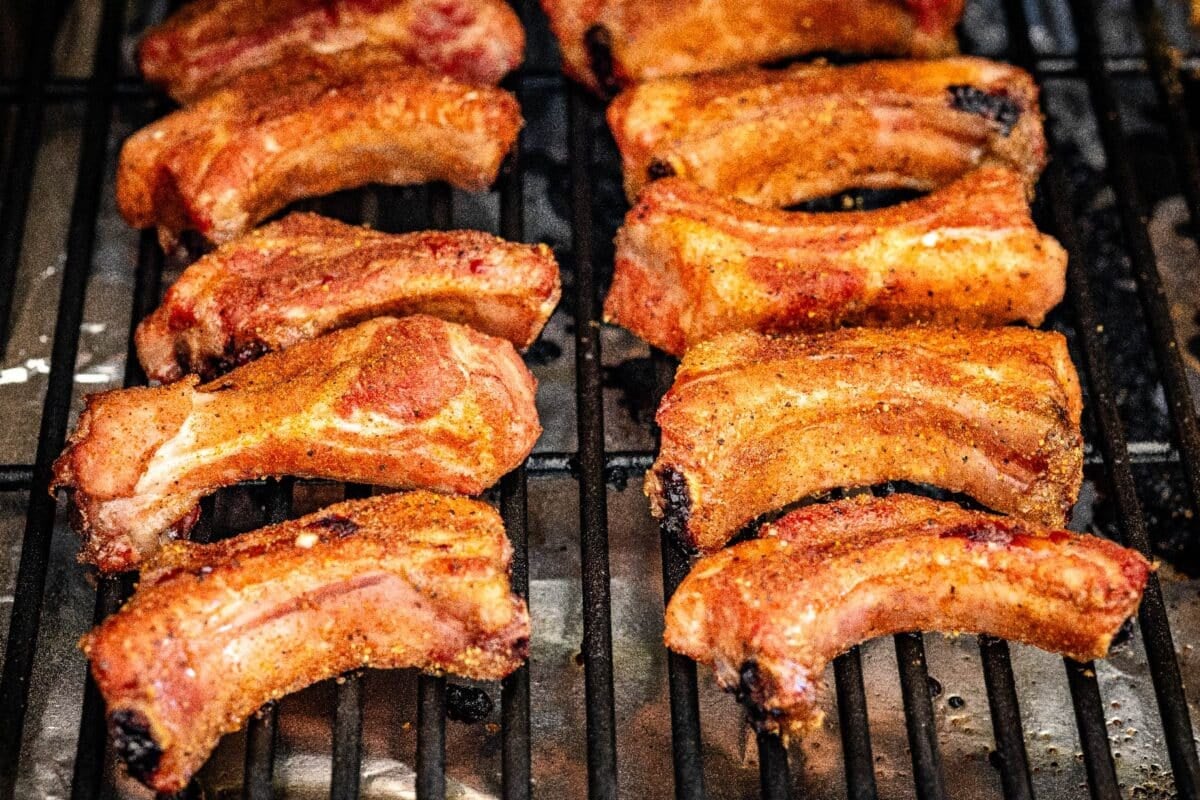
[602, 709]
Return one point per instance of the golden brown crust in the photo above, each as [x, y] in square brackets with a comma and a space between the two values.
[779, 137]
[214, 631]
[305, 127]
[406, 403]
[306, 275]
[607, 44]
[207, 43]
[691, 264]
[756, 422]
[771, 613]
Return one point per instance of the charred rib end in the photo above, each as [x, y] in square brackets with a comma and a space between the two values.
[677, 505]
[996, 107]
[750, 692]
[659, 169]
[134, 743]
[597, 41]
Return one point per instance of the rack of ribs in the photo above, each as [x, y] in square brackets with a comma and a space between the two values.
[607, 44]
[207, 43]
[306, 275]
[769, 614]
[306, 127]
[691, 264]
[405, 403]
[214, 631]
[781, 137]
[755, 422]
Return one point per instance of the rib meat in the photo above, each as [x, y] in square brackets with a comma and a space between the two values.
[607, 44]
[408, 403]
[779, 137]
[306, 275]
[209, 42]
[771, 613]
[214, 631]
[755, 422]
[691, 264]
[305, 127]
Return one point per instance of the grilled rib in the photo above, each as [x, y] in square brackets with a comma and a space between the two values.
[771, 613]
[408, 403]
[209, 42]
[755, 422]
[306, 275]
[214, 631]
[305, 127]
[691, 264]
[608, 44]
[779, 137]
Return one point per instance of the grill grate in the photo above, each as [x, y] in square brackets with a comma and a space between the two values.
[592, 464]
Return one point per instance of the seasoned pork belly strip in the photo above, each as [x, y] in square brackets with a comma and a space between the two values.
[755, 422]
[778, 137]
[691, 264]
[209, 42]
[408, 403]
[769, 614]
[607, 44]
[214, 631]
[306, 275]
[306, 127]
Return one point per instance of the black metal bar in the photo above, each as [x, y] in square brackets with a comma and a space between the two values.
[1164, 69]
[39, 522]
[514, 690]
[773, 768]
[856, 728]
[347, 739]
[18, 182]
[516, 774]
[1093, 731]
[918, 717]
[262, 734]
[87, 781]
[431, 738]
[1006, 719]
[686, 750]
[593, 495]
[431, 691]
[1152, 615]
[65, 89]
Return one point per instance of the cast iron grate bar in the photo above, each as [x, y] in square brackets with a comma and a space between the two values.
[39, 522]
[88, 780]
[1006, 719]
[431, 691]
[27, 135]
[516, 774]
[593, 493]
[1093, 733]
[686, 747]
[66, 89]
[1152, 616]
[918, 716]
[856, 730]
[773, 767]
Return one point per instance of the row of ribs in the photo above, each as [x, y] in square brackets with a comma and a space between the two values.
[845, 351]
[315, 349]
